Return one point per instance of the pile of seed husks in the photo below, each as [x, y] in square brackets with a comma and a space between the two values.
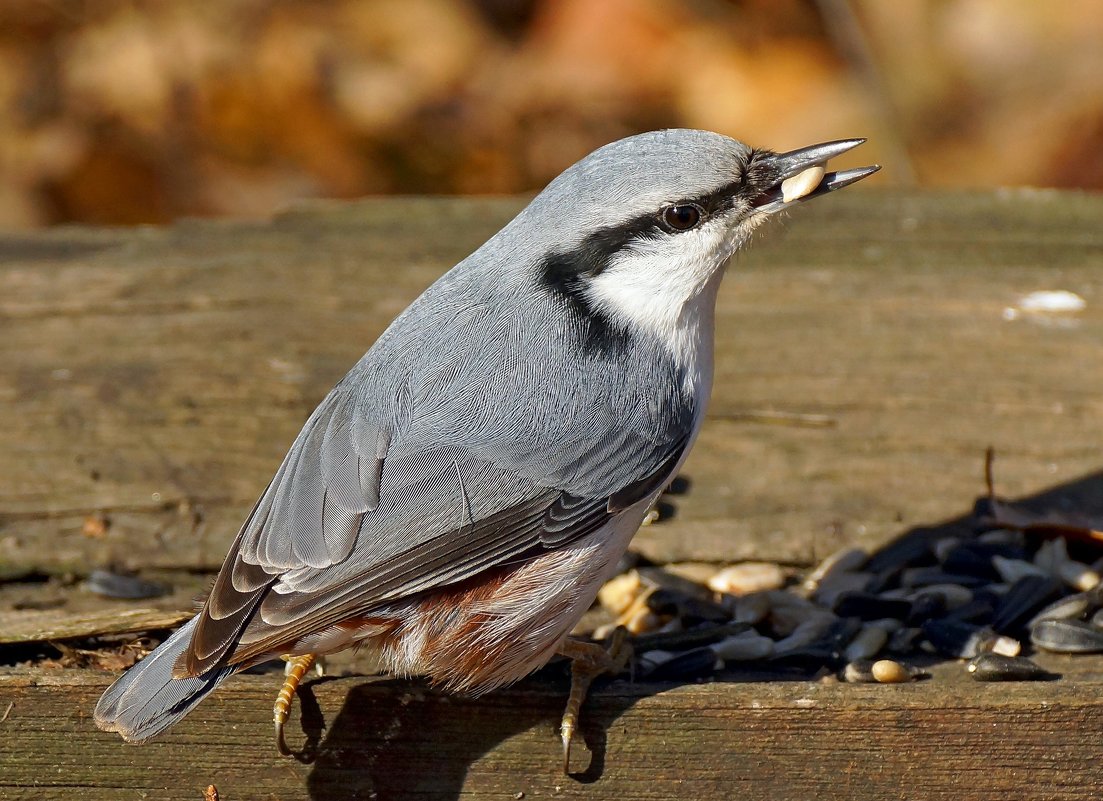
[988, 597]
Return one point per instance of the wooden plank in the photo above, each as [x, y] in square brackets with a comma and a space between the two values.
[37, 626]
[947, 738]
[158, 375]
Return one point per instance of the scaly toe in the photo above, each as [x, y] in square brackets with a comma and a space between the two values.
[588, 661]
[297, 667]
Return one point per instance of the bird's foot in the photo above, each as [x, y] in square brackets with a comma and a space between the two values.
[588, 661]
[319, 665]
[297, 667]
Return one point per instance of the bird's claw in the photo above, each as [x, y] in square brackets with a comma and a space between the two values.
[297, 667]
[588, 661]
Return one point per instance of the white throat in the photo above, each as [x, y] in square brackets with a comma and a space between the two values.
[671, 296]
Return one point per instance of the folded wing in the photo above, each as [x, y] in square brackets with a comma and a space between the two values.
[348, 523]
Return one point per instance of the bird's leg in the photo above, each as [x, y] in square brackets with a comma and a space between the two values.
[588, 661]
[297, 666]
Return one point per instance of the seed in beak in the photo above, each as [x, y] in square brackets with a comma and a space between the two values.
[801, 184]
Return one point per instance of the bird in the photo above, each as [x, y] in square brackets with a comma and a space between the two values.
[455, 502]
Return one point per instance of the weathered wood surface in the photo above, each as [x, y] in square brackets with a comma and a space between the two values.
[947, 738]
[61, 624]
[158, 375]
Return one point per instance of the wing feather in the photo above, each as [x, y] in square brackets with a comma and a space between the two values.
[311, 512]
[267, 611]
[374, 503]
[516, 532]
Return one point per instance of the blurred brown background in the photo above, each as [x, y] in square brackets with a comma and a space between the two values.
[124, 111]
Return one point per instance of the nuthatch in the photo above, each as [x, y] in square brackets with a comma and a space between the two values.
[456, 501]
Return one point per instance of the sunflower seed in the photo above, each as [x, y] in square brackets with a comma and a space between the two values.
[840, 582]
[870, 640]
[787, 614]
[686, 665]
[1078, 575]
[690, 638]
[617, 594]
[944, 547]
[971, 560]
[953, 595]
[1002, 536]
[929, 576]
[1068, 608]
[747, 577]
[1067, 636]
[903, 641]
[889, 624]
[997, 667]
[1051, 555]
[661, 577]
[926, 605]
[887, 671]
[744, 647]
[872, 607]
[859, 672]
[956, 639]
[1011, 570]
[801, 184]
[666, 601]
[751, 608]
[912, 550]
[845, 560]
[979, 610]
[1025, 597]
[807, 632]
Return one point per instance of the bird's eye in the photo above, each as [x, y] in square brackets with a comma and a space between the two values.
[683, 216]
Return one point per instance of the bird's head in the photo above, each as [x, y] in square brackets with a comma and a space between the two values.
[641, 228]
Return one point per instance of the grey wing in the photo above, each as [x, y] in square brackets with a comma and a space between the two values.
[348, 523]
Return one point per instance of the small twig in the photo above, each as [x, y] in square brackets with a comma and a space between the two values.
[775, 418]
[989, 483]
[7, 712]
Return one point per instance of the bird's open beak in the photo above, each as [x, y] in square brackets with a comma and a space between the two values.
[799, 175]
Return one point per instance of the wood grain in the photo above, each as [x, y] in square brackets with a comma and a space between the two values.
[63, 624]
[152, 379]
[158, 375]
[946, 738]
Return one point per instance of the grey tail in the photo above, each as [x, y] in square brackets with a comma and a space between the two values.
[146, 700]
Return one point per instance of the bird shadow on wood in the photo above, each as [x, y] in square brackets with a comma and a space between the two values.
[399, 740]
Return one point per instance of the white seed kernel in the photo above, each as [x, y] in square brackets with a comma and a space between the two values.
[886, 671]
[747, 577]
[801, 184]
[619, 592]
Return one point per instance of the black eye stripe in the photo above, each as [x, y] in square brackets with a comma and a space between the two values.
[564, 273]
[593, 255]
[721, 199]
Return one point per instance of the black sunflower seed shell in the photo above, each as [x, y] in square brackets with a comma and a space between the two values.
[867, 606]
[1026, 596]
[955, 638]
[1067, 636]
[997, 667]
[690, 665]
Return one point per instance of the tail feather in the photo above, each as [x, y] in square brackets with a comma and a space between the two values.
[146, 700]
